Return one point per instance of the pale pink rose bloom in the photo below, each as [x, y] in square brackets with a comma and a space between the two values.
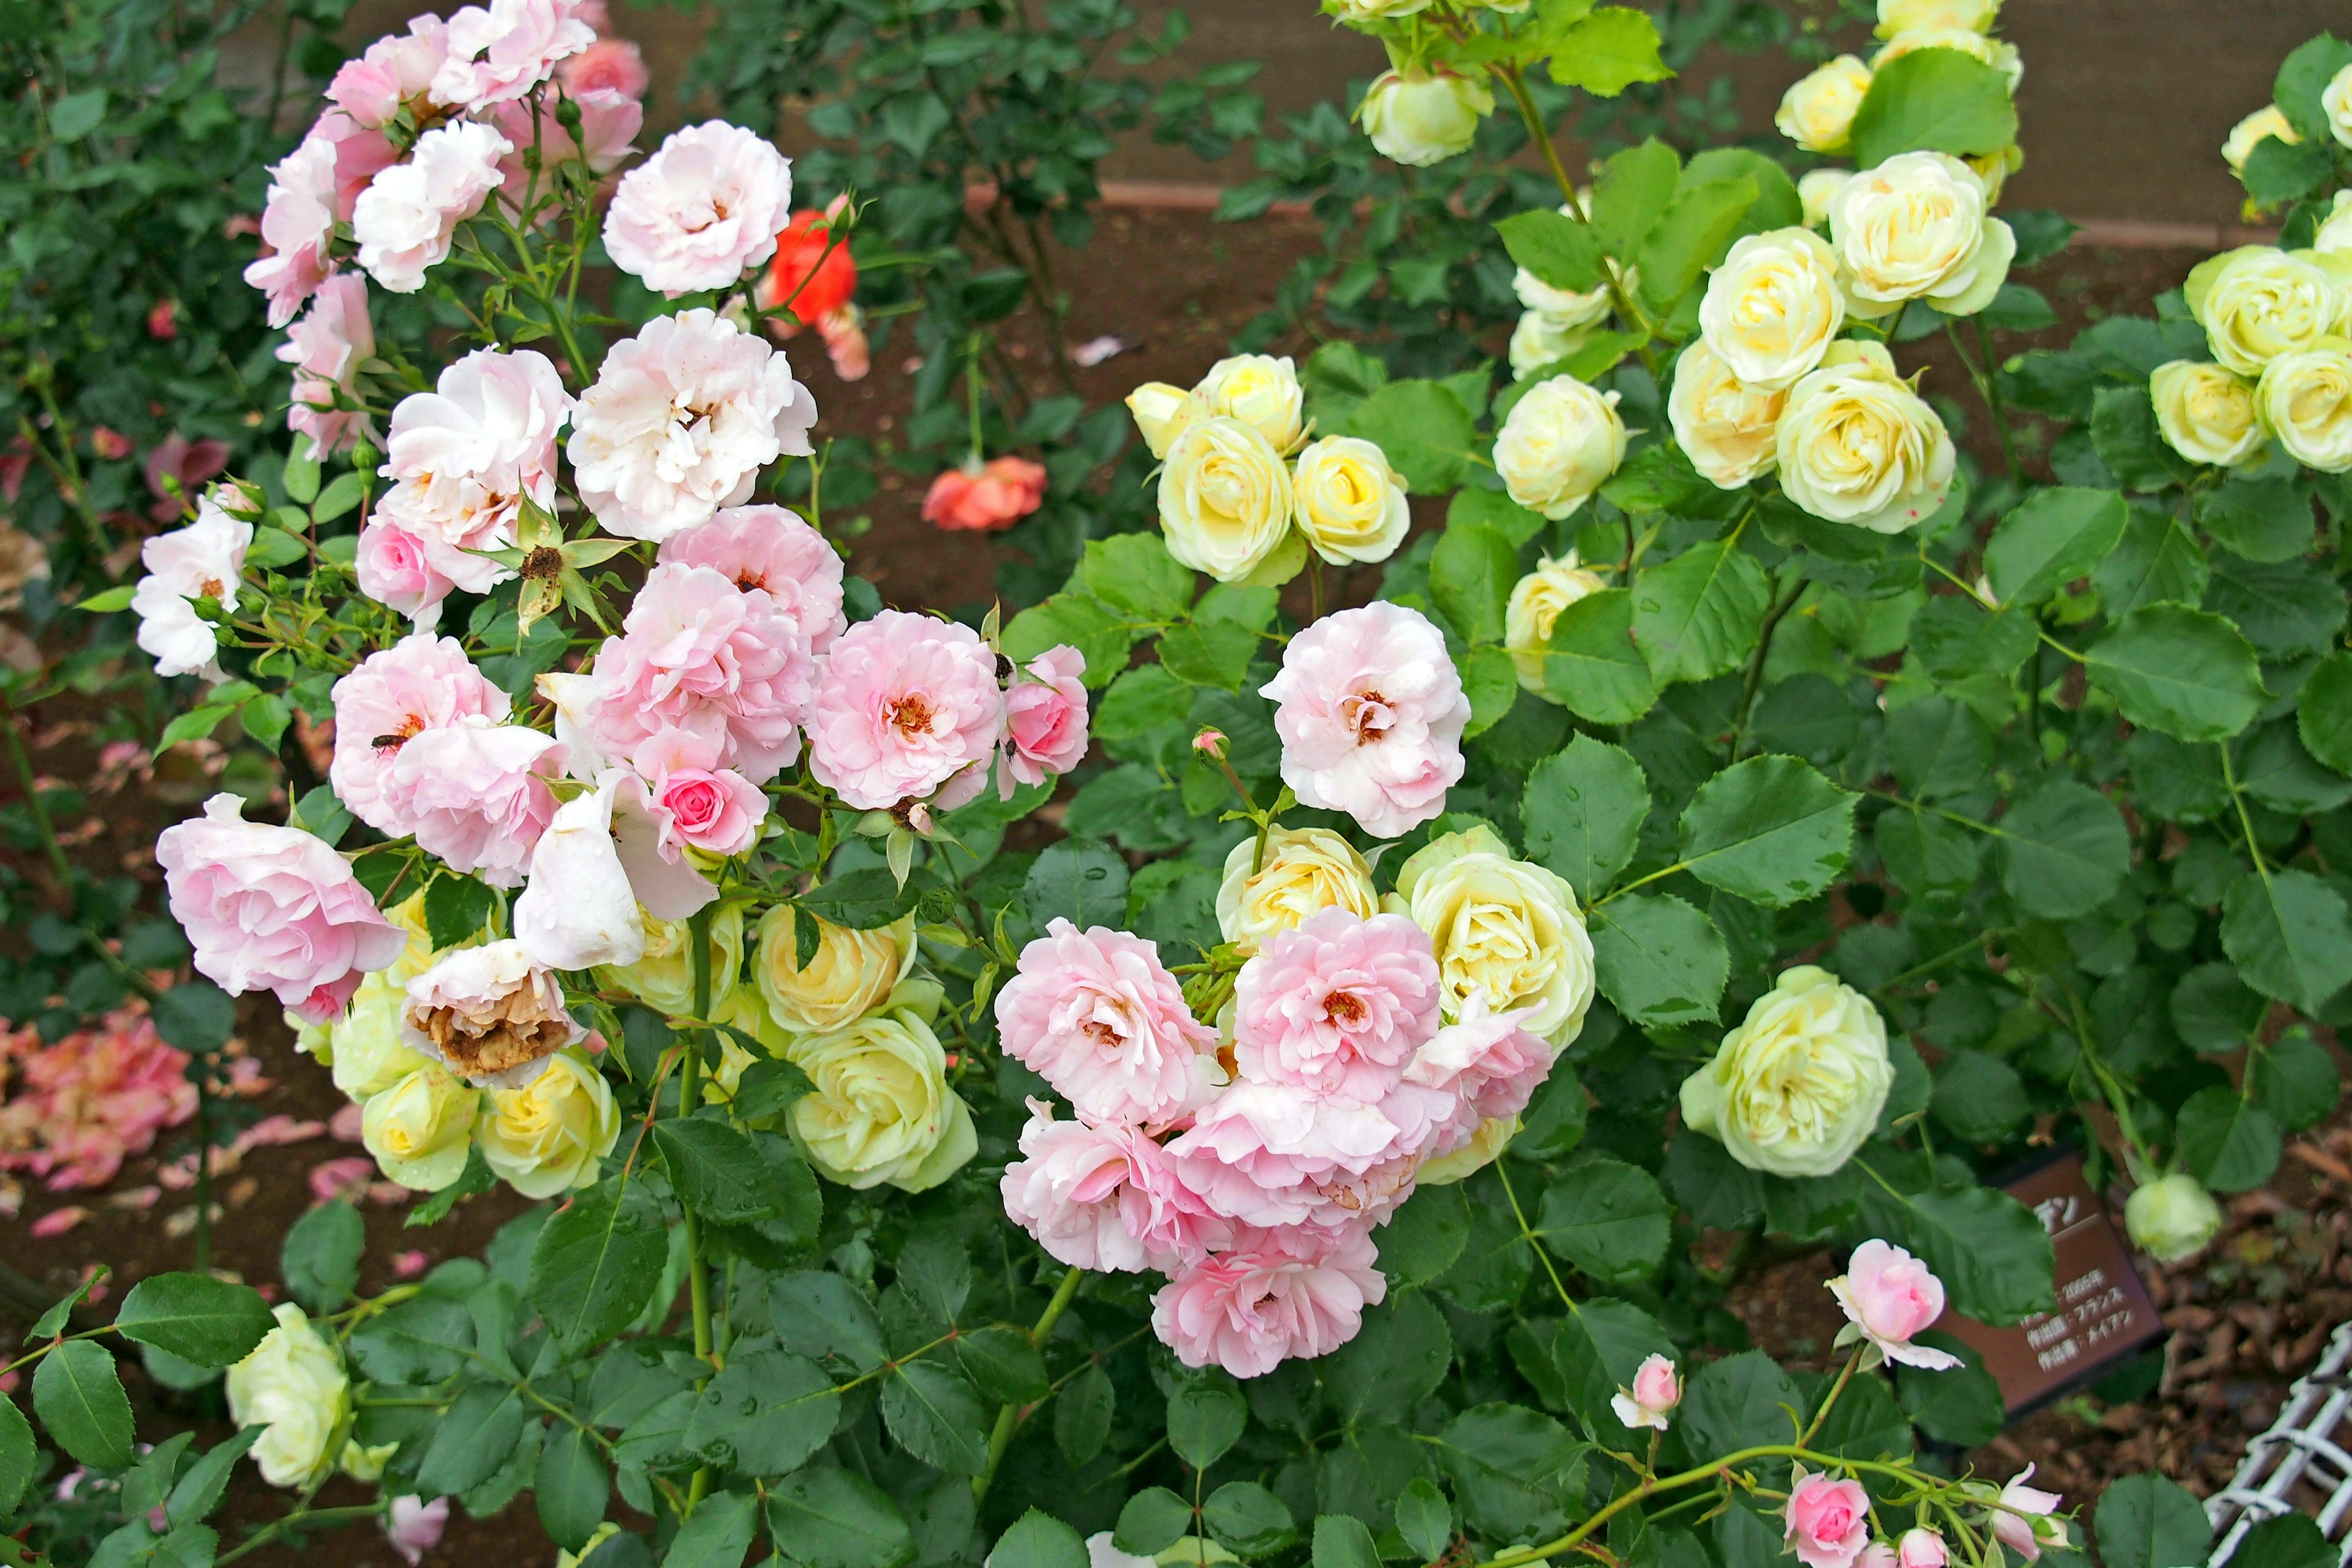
[395, 568]
[1878, 1554]
[420, 683]
[1829, 1521]
[1272, 1154]
[608, 64]
[681, 420]
[609, 124]
[190, 462]
[412, 1525]
[770, 549]
[298, 226]
[2016, 1524]
[325, 348]
[697, 654]
[599, 863]
[1370, 713]
[1104, 1197]
[1491, 1065]
[361, 153]
[205, 559]
[463, 457]
[489, 1014]
[704, 207]
[1095, 1015]
[477, 793]
[404, 220]
[1337, 1005]
[272, 909]
[699, 805]
[905, 706]
[843, 332]
[1921, 1548]
[396, 70]
[1044, 720]
[501, 53]
[1656, 1391]
[1250, 1309]
[1889, 1297]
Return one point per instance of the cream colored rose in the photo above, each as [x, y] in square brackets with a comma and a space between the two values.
[2306, 399]
[547, 1137]
[1540, 340]
[2251, 133]
[2257, 302]
[1306, 872]
[1567, 307]
[2003, 57]
[1772, 308]
[1507, 929]
[1798, 1085]
[1858, 446]
[1561, 443]
[882, 1111]
[1348, 501]
[1536, 601]
[1224, 498]
[292, 1385]
[368, 1055]
[2206, 413]
[1421, 117]
[1817, 189]
[1817, 111]
[1161, 412]
[2335, 102]
[1259, 390]
[1995, 168]
[664, 978]
[1917, 16]
[1915, 228]
[1492, 1137]
[1726, 427]
[850, 974]
[419, 1128]
[2335, 236]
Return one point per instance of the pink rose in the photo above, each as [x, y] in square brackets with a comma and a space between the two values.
[1104, 1197]
[2016, 1523]
[1919, 1548]
[394, 73]
[361, 153]
[1271, 1154]
[298, 226]
[1096, 1016]
[608, 64]
[502, 53]
[477, 792]
[407, 219]
[1285, 1294]
[1491, 1064]
[705, 206]
[463, 457]
[1336, 1005]
[699, 805]
[985, 497]
[272, 909]
[395, 568]
[904, 705]
[843, 333]
[412, 1525]
[325, 348]
[769, 550]
[1044, 720]
[1829, 1521]
[1889, 1297]
[489, 1014]
[1656, 1391]
[1370, 713]
[190, 462]
[420, 683]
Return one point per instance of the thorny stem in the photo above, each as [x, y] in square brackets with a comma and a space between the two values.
[1008, 1417]
[1755, 666]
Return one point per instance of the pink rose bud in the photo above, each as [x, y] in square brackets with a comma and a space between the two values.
[1878, 1554]
[409, 1265]
[1889, 1297]
[1829, 1521]
[1045, 721]
[987, 498]
[2016, 1523]
[1211, 743]
[414, 1526]
[1921, 1548]
[163, 319]
[1656, 1390]
[109, 444]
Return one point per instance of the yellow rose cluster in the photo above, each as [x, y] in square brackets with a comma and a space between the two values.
[1245, 492]
[2279, 326]
[1817, 113]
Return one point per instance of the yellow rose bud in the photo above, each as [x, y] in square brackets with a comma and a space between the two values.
[292, 1385]
[1306, 872]
[1536, 601]
[1857, 446]
[1491, 1138]
[1561, 443]
[1727, 429]
[1915, 228]
[1507, 929]
[1541, 339]
[2251, 133]
[1224, 498]
[366, 1464]
[1359, 11]
[2003, 57]
[1349, 502]
[882, 1111]
[419, 1128]
[547, 1137]
[1817, 190]
[2257, 302]
[2172, 1217]
[1995, 168]
[848, 977]
[597, 1537]
[1260, 390]
[2335, 102]
[1772, 308]
[1817, 111]
[1918, 15]
[664, 978]
[2334, 237]
[1161, 412]
[2306, 399]
[2206, 413]
[1797, 1086]
[1420, 117]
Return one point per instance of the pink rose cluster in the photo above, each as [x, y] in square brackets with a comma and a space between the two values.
[82, 1104]
[1253, 1176]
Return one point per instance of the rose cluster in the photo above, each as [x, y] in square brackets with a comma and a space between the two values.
[2279, 326]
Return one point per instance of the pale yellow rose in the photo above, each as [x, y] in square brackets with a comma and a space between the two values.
[293, 1385]
[1224, 498]
[664, 978]
[1503, 928]
[1915, 228]
[1161, 412]
[547, 1137]
[881, 1112]
[1995, 168]
[2207, 414]
[1349, 502]
[1260, 390]
[2334, 237]
[1797, 1086]
[1540, 340]
[418, 1130]
[1306, 872]
[1817, 111]
[1568, 307]
[2306, 399]
[1561, 443]
[368, 1056]
[2335, 102]
[1374, 10]
[1536, 601]
[2257, 302]
[849, 975]
[1726, 427]
[2003, 57]
[1858, 446]
[2251, 133]
[1492, 1136]
[1421, 117]
[1917, 16]
[1773, 308]
[1816, 190]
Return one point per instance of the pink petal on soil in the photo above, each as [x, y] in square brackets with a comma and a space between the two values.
[57, 1222]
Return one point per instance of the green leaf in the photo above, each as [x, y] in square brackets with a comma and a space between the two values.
[202, 1485]
[1690, 235]
[1632, 194]
[1150, 1521]
[1659, 961]
[571, 1487]
[472, 1440]
[81, 1404]
[1938, 748]
[2290, 937]
[77, 114]
[1490, 679]
[1700, 614]
[1771, 830]
[716, 1171]
[1134, 572]
[1005, 1366]
[935, 1413]
[2054, 537]
[107, 602]
[2064, 850]
[1204, 1419]
[1428, 436]
[2187, 672]
[1590, 666]
[319, 1258]
[596, 1262]
[2302, 77]
[1954, 638]
[1938, 100]
[1038, 1540]
[195, 1317]
[717, 1535]
[2263, 520]
[1424, 1518]
[18, 1456]
[1343, 1542]
[835, 1519]
[1582, 812]
[2151, 1522]
[1082, 1415]
[1742, 1401]
[1608, 1219]
[2226, 1141]
[1426, 1237]
[1209, 653]
[2323, 712]
[457, 908]
[821, 1314]
[1553, 246]
[1077, 881]
[1099, 632]
[2294, 1080]
[1961, 1404]
[2156, 559]
[866, 899]
[1471, 574]
[1249, 1518]
[1140, 701]
[2124, 432]
[764, 1415]
[1980, 1097]
[194, 725]
[2288, 1540]
[1396, 1362]
[1609, 52]
[1991, 1252]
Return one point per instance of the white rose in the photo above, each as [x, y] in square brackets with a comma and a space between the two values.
[2003, 57]
[1797, 1086]
[1817, 189]
[2251, 133]
[1817, 111]
[1305, 870]
[2336, 101]
[293, 1385]
[881, 1112]
[2172, 1217]
[1542, 338]
[2257, 302]
[2334, 237]
[1727, 429]
[1224, 498]
[1420, 118]
[547, 1137]
[1915, 228]
[1161, 412]
[1260, 390]
[406, 219]
[1772, 308]
[1858, 446]
[1915, 16]
[418, 1129]
[2306, 399]
[1561, 443]
[1505, 929]
[2207, 414]
[1349, 502]
[1536, 601]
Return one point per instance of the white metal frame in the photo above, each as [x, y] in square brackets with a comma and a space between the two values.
[2305, 1447]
